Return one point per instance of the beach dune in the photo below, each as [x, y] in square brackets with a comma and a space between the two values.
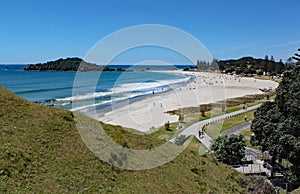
[151, 113]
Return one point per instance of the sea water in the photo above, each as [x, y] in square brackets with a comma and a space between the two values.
[110, 88]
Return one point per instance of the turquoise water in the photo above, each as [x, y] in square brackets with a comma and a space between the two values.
[56, 88]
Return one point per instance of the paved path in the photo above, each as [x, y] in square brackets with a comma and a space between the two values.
[237, 129]
[249, 151]
[251, 154]
[205, 139]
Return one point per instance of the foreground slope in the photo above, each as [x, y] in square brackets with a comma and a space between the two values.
[41, 150]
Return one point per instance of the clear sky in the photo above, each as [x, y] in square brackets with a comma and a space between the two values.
[41, 30]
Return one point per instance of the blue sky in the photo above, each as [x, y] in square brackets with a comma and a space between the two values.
[37, 31]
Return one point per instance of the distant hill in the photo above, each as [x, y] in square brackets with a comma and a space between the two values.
[68, 64]
[42, 151]
[250, 65]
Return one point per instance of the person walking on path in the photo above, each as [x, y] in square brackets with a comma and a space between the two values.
[200, 134]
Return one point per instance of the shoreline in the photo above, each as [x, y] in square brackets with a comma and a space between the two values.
[122, 104]
[109, 109]
[151, 112]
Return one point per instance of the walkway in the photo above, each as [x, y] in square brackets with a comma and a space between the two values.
[205, 139]
[251, 154]
[237, 129]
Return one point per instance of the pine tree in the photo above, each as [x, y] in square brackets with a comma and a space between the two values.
[277, 124]
[297, 57]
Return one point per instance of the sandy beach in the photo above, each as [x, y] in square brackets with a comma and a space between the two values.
[151, 113]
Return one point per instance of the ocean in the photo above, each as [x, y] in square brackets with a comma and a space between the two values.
[111, 89]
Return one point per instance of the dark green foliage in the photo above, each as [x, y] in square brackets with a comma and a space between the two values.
[297, 57]
[229, 150]
[277, 124]
[68, 64]
[250, 65]
[203, 109]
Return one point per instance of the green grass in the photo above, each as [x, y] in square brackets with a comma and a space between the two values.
[215, 129]
[246, 133]
[164, 134]
[236, 120]
[41, 151]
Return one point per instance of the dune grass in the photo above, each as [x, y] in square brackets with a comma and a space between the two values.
[263, 77]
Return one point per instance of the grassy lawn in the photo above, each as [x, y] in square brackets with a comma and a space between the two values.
[246, 133]
[164, 134]
[215, 129]
[237, 120]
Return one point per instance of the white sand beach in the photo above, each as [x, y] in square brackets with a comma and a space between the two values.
[206, 88]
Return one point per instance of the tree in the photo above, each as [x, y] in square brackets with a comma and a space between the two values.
[181, 118]
[203, 109]
[214, 65]
[280, 67]
[246, 65]
[229, 150]
[289, 61]
[266, 58]
[297, 57]
[202, 65]
[167, 126]
[277, 124]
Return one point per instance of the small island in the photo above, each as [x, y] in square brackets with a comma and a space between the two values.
[69, 64]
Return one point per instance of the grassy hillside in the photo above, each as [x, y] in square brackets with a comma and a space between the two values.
[41, 151]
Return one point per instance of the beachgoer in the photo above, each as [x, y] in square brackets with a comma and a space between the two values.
[200, 134]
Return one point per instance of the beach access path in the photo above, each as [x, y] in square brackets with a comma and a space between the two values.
[251, 154]
[205, 139]
[237, 129]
